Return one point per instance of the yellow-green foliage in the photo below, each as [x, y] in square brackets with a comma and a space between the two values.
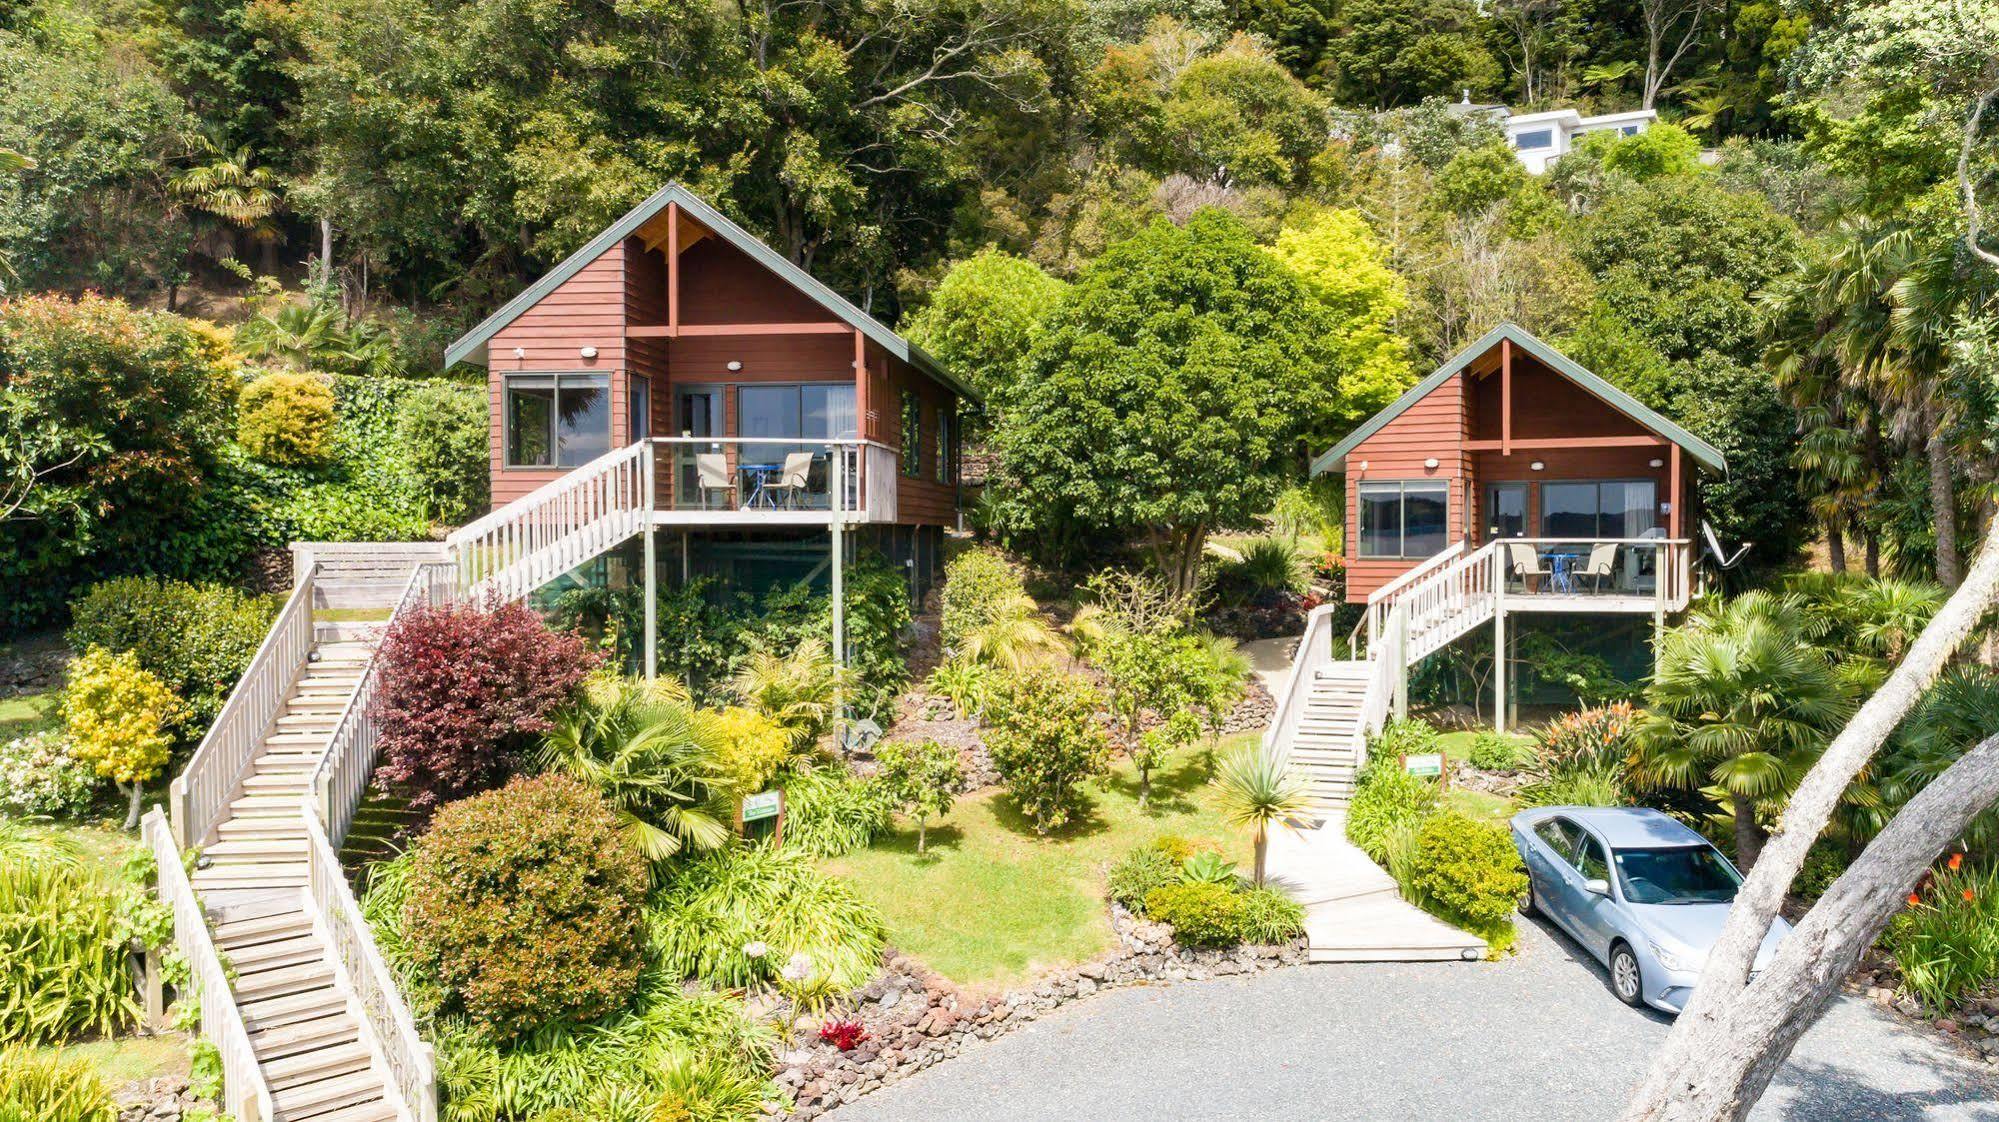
[118, 714]
[284, 418]
[62, 952]
[750, 748]
[37, 1088]
[1468, 872]
[979, 586]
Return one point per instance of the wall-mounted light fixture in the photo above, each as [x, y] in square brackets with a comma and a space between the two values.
[734, 365]
[589, 352]
[1431, 462]
[1363, 465]
[520, 352]
[1537, 465]
[1658, 463]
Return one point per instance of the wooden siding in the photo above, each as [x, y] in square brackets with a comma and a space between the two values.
[920, 499]
[721, 284]
[1546, 406]
[1564, 465]
[1435, 427]
[587, 310]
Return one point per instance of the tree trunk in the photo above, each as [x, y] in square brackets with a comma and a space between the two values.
[1873, 555]
[1687, 1055]
[922, 832]
[1748, 835]
[1744, 1044]
[137, 793]
[1262, 847]
[1943, 504]
[1835, 542]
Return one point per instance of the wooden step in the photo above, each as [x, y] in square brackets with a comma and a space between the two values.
[323, 1096]
[307, 722]
[250, 876]
[260, 829]
[331, 1031]
[231, 934]
[323, 1063]
[277, 953]
[264, 984]
[378, 1111]
[293, 1009]
[267, 805]
[292, 780]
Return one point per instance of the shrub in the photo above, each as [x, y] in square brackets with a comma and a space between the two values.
[750, 748]
[463, 692]
[611, 1070]
[1181, 848]
[63, 971]
[1592, 738]
[1468, 872]
[198, 638]
[963, 683]
[922, 778]
[796, 692]
[737, 918]
[701, 1090]
[844, 1035]
[1386, 795]
[1202, 915]
[1046, 742]
[119, 720]
[1589, 786]
[1946, 943]
[41, 775]
[1492, 752]
[286, 419]
[524, 905]
[1268, 916]
[1138, 872]
[830, 812]
[979, 584]
[1824, 863]
[1208, 868]
[36, 1088]
[1403, 737]
[128, 473]
[441, 441]
[1268, 566]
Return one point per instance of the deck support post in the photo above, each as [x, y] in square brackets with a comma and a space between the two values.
[837, 531]
[652, 575]
[1498, 643]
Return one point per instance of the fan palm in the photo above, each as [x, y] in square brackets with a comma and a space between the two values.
[1258, 789]
[799, 691]
[1961, 710]
[1741, 700]
[1015, 636]
[654, 762]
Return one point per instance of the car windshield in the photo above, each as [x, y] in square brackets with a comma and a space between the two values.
[1686, 874]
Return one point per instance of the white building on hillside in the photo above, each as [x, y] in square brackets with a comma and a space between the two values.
[1539, 139]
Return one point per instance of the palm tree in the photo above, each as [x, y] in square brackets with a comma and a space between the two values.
[1833, 457]
[1741, 700]
[1257, 789]
[643, 748]
[799, 692]
[1959, 711]
[1013, 637]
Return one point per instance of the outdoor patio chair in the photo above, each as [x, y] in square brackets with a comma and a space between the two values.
[1602, 564]
[711, 472]
[1523, 561]
[789, 486]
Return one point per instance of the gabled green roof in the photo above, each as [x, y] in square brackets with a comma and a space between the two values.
[1703, 452]
[471, 347]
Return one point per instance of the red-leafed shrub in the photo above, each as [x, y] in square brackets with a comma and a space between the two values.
[844, 1035]
[464, 691]
[523, 904]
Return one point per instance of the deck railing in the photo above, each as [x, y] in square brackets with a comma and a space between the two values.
[339, 780]
[245, 1094]
[855, 478]
[1387, 678]
[203, 789]
[556, 527]
[1315, 651]
[1599, 568]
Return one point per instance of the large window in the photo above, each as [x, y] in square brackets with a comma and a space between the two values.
[812, 411]
[1534, 138]
[1599, 509]
[942, 467]
[1403, 519]
[557, 420]
[912, 434]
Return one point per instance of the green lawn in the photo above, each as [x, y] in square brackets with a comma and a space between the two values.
[127, 1059]
[990, 904]
[26, 713]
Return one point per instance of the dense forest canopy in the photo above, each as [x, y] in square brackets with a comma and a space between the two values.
[1788, 263]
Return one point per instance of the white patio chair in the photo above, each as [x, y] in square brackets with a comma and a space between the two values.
[1524, 561]
[789, 486]
[711, 473]
[1602, 564]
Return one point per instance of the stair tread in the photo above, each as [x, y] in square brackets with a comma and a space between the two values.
[379, 1110]
[320, 1063]
[330, 1030]
[345, 1090]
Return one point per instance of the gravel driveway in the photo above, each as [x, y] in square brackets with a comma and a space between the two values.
[1538, 1036]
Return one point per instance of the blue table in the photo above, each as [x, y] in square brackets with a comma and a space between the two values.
[1562, 572]
[757, 479]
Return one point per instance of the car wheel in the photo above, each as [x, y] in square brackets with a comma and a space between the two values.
[1627, 981]
[1529, 906]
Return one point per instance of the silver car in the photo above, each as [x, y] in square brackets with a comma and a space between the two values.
[1642, 893]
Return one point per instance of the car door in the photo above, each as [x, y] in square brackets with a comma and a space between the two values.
[1557, 885]
[1596, 915]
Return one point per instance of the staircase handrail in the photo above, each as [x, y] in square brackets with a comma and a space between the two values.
[333, 792]
[204, 787]
[1385, 677]
[563, 522]
[246, 1095]
[1315, 651]
[1370, 618]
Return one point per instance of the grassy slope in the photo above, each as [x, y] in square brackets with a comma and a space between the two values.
[26, 713]
[991, 904]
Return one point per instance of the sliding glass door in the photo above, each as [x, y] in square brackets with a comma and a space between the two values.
[1598, 509]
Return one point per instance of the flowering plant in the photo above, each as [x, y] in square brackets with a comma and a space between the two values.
[844, 1035]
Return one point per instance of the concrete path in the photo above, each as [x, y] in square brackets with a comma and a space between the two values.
[1353, 910]
[1270, 660]
[1538, 1036]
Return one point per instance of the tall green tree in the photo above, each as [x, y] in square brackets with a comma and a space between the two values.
[1167, 395]
[983, 318]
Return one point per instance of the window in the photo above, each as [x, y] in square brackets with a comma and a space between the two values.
[811, 411]
[1403, 519]
[1686, 874]
[1630, 130]
[1601, 509]
[557, 420]
[912, 434]
[1560, 834]
[944, 433]
[1534, 138]
[638, 407]
[1591, 860]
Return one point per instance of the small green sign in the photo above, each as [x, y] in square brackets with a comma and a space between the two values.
[1424, 763]
[763, 804]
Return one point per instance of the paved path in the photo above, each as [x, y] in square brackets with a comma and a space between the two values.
[1270, 660]
[1536, 1037]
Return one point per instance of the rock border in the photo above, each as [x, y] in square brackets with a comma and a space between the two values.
[916, 1019]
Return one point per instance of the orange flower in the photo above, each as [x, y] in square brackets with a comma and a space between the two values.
[1914, 899]
[1956, 862]
[1969, 895]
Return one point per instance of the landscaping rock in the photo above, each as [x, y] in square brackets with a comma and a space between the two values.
[163, 1099]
